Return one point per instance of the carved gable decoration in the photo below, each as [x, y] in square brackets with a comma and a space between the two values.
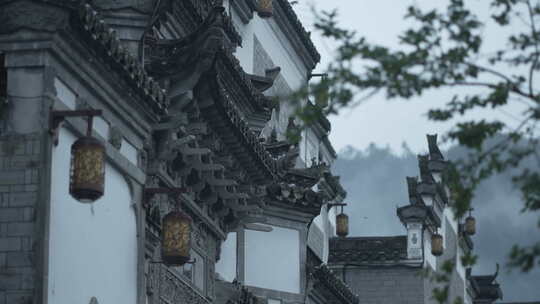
[434, 152]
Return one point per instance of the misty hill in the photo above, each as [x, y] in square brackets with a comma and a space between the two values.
[375, 181]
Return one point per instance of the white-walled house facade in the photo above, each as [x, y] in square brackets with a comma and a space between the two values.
[190, 103]
[78, 232]
[192, 110]
[402, 269]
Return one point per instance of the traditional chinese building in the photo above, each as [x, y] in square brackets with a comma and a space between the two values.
[400, 269]
[145, 155]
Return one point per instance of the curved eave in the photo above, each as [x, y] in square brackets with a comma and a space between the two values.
[220, 112]
[336, 287]
[228, 66]
[287, 19]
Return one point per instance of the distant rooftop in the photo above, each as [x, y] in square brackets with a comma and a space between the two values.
[366, 250]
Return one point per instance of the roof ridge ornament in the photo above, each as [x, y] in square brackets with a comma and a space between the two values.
[412, 186]
[434, 151]
[425, 174]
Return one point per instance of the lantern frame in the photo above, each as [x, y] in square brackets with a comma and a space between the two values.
[176, 240]
[87, 166]
[342, 225]
[342, 222]
[470, 224]
[437, 248]
[265, 8]
[87, 170]
[166, 259]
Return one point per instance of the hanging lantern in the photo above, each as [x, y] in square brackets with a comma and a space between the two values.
[342, 224]
[87, 168]
[176, 238]
[266, 9]
[470, 224]
[87, 172]
[436, 244]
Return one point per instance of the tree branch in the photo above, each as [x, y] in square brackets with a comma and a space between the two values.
[513, 87]
[491, 71]
[501, 144]
[535, 39]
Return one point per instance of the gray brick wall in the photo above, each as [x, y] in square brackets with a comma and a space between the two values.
[380, 285]
[19, 173]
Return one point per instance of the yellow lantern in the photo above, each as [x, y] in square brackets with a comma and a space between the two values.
[266, 9]
[342, 224]
[87, 172]
[470, 225]
[436, 244]
[176, 238]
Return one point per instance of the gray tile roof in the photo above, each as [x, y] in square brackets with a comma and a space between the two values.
[366, 250]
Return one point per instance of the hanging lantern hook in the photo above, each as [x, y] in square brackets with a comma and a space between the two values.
[193, 261]
[330, 205]
[57, 117]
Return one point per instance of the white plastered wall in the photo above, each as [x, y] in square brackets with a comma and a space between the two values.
[322, 222]
[449, 217]
[273, 259]
[275, 44]
[92, 248]
[294, 73]
[226, 266]
[430, 259]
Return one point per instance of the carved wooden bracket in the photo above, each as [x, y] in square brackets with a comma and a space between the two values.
[149, 192]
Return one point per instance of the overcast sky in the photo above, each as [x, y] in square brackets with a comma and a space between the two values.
[392, 123]
[395, 121]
